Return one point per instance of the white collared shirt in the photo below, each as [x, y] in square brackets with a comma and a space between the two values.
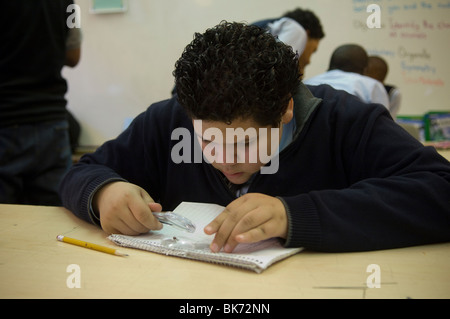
[367, 89]
[289, 32]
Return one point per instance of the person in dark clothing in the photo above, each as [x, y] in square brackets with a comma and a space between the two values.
[340, 174]
[35, 152]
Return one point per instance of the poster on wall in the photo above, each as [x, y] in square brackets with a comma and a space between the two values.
[108, 6]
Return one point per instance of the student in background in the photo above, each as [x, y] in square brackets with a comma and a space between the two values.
[378, 69]
[300, 29]
[348, 65]
[34, 142]
[341, 175]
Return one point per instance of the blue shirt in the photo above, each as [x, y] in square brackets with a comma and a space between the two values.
[286, 139]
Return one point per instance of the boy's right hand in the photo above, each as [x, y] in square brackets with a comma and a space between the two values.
[126, 208]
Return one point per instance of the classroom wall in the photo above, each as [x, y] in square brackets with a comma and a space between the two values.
[128, 58]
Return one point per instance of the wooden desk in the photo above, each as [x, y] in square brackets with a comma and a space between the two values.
[443, 148]
[33, 264]
[445, 153]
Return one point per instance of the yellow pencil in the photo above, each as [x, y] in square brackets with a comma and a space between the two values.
[81, 243]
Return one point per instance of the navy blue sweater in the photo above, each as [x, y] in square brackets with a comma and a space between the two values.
[351, 180]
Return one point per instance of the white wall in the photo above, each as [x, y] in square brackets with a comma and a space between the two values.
[128, 58]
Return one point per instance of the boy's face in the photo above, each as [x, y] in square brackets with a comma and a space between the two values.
[241, 148]
[305, 59]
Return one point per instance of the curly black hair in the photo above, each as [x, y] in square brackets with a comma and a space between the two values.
[308, 20]
[236, 71]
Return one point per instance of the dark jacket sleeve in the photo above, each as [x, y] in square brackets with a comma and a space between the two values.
[398, 191]
[131, 157]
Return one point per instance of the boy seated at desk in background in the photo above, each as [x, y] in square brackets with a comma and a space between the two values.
[341, 175]
[348, 65]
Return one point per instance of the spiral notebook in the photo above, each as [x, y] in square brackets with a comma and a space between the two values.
[172, 242]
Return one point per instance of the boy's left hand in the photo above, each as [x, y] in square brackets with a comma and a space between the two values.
[251, 218]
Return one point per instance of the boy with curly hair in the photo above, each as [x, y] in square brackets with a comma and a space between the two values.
[348, 178]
